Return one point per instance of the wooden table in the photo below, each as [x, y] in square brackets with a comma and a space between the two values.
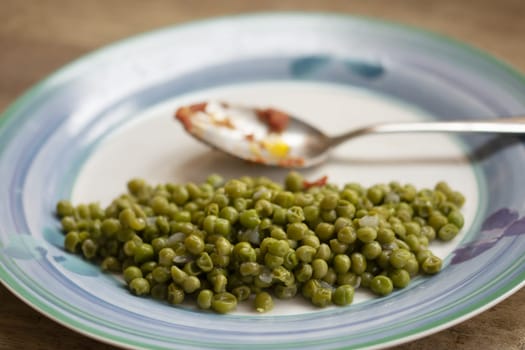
[39, 36]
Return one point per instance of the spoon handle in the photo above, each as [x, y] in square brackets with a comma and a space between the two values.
[512, 125]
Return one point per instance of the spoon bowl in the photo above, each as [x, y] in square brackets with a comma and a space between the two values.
[272, 137]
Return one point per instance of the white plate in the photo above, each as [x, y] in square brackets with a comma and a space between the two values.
[84, 131]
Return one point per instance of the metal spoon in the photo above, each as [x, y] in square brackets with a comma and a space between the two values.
[272, 137]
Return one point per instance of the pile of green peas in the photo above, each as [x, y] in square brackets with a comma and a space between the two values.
[222, 242]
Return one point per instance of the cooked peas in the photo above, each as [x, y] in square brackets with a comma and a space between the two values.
[322, 297]
[263, 302]
[132, 272]
[222, 242]
[381, 285]
[139, 286]
[204, 299]
[448, 232]
[223, 302]
[343, 295]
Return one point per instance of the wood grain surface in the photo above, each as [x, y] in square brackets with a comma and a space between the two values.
[39, 36]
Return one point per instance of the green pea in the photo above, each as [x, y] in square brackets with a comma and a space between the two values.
[294, 182]
[303, 272]
[223, 302]
[311, 213]
[182, 216]
[375, 194]
[328, 216]
[279, 215]
[240, 204]
[162, 224]
[89, 248]
[143, 252]
[264, 208]
[111, 263]
[296, 231]
[329, 201]
[178, 275]
[82, 212]
[347, 235]
[338, 247]
[235, 188]
[166, 256]
[139, 286]
[219, 283]
[303, 199]
[341, 263]
[345, 209]
[431, 265]
[72, 241]
[343, 295]
[137, 185]
[412, 266]
[381, 285]
[305, 253]
[241, 292]
[64, 208]
[249, 218]
[161, 274]
[319, 268]
[131, 272]
[215, 180]
[191, 284]
[229, 213]
[456, 218]
[358, 263]
[366, 234]
[284, 199]
[159, 204]
[349, 278]
[159, 291]
[428, 232]
[175, 294]
[290, 260]
[295, 214]
[285, 292]
[330, 277]
[437, 220]
[447, 232]
[310, 287]
[399, 258]
[400, 278]
[325, 231]
[244, 252]
[278, 248]
[68, 223]
[322, 297]
[273, 261]
[223, 246]
[128, 218]
[385, 235]
[371, 250]
[278, 233]
[250, 268]
[350, 195]
[204, 262]
[412, 228]
[263, 302]
[208, 224]
[194, 244]
[148, 267]
[311, 240]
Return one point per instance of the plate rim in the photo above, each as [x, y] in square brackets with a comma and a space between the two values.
[87, 59]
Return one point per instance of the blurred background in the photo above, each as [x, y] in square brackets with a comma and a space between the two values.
[39, 36]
